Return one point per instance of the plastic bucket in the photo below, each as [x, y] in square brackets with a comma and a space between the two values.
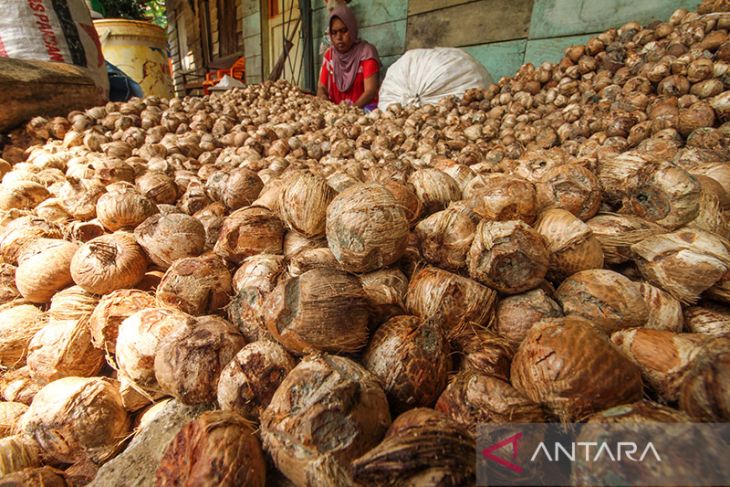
[140, 50]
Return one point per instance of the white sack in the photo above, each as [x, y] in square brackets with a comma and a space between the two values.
[53, 30]
[424, 76]
[227, 83]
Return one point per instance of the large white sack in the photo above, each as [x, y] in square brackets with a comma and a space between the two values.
[53, 30]
[424, 76]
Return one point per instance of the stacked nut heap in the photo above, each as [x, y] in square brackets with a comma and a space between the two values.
[347, 295]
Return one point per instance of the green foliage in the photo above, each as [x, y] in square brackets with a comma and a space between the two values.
[156, 12]
[152, 10]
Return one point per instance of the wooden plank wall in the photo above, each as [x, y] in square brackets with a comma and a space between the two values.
[504, 34]
[183, 47]
[501, 34]
[252, 40]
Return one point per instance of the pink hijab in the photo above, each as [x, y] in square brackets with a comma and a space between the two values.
[346, 64]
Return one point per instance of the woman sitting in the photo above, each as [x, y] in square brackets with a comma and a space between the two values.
[351, 66]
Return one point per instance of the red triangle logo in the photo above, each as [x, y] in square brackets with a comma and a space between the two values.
[512, 440]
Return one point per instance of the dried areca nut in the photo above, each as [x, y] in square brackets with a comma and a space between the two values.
[269, 195]
[664, 357]
[472, 398]
[167, 238]
[450, 298]
[10, 413]
[439, 452]
[534, 164]
[241, 189]
[322, 309]
[52, 211]
[445, 237]
[73, 303]
[482, 351]
[314, 428]
[709, 319]
[617, 233]
[711, 216]
[260, 271]
[137, 344]
[410, 357]
[643, 411]
[705, 391]
[21, 231]
[551, 367]
[30, 476]
[63, 349]
[295, 243]
[194, 198]
[669, 196]
[212, 217]
[112, 309]
[123, 207]
[158, 187]
[698, 115]
[713, 187]
[435, 189]
[18, 454]
[8, 289]
[189, 359]
[508, 256]
[23, 195]
[44, 269]
[386, 292]
[502, 197]
[108, 262]
[367, 228]
[79, 197]
[77, 419]
[134, 399]
[303, 203]
[150, 281]
[517, 314]
[571, 187]
[684, 263]
[250, 231]
[610, 426]
[621, 172]
[313, 258]
[218, 448]
[78, 231]
[407, 198]
[196, 285]
[17, 386]
[18, 324]
[720, 291]
[248, 382]
[719, 171]
[665, 311]
[606, 298]
[571, 243]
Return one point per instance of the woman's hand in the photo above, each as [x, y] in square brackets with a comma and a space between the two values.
[322, 92]
[371, 91]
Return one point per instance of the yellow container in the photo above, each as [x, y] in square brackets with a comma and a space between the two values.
[140, 50]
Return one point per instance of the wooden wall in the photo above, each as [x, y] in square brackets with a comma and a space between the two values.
[252, 41]
[501, 34]
[504, 34]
